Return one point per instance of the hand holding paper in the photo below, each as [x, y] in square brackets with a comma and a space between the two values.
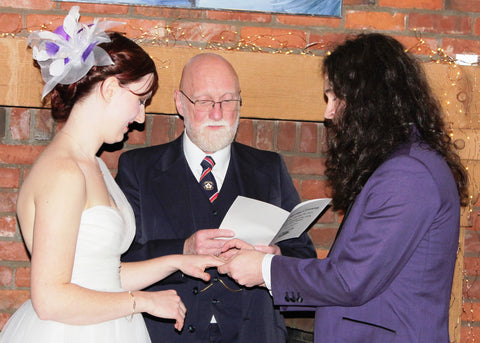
[260, 223]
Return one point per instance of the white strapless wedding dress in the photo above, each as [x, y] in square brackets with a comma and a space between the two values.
[104, 234]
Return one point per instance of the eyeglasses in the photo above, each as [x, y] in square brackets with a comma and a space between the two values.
[208, 105]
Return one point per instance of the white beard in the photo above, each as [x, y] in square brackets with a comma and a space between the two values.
[211, 142]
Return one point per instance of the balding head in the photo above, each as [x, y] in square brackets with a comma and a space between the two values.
[208, 67]
[209, 77]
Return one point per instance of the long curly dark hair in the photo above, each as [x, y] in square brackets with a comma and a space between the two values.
[131, 63]
[385, 94]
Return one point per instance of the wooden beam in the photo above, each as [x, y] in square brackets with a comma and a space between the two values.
[273, 86]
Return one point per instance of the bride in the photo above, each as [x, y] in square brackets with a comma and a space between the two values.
[74, 219]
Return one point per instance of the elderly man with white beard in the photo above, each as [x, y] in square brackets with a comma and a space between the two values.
[180, 193]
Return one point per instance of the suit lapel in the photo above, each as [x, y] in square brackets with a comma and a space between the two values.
[249, 176]
[347, 212]
[170, 185]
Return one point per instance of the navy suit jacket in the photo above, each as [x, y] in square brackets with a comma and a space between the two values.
[170, 206]
[389, 274]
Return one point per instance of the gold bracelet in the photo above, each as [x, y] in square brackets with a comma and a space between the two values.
[133, 305]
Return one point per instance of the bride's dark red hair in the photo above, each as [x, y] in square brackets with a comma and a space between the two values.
[131, 63]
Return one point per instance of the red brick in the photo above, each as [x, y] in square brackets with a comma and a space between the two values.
[25, 173]
[471, 312]
[476, 217]
[45, 125]
[296, 183]
[264, 37]
[20, 123]
[160, 129]
[201, 32]
[13, 251]
[13, 299]
[356, 2]
[328, 217]
[10, 178]
[3, 319]
[166, 12]
[10, 23]
[471, 266]
[265, 135]
[309, 20]
[8, 201]
[137, 137]
[440, 23]
[143, 29]
[22, 277]
[111, 158]
[255, 17]
[340, 215]
[472, 241]
[470, 334]
[471, 289]
[321, 253]
[326, 41]
[305, 165]
[50, 21]
[416, 46]
[7, 226]
[463, 5]
[460, 46]
[6, 276]
[375, 20]
[178, 125]
[312, 189]
[417, 4]
[20, 154]
[245, 132]
[476, 27]
[96, 8]
[308, 137]
[323, 237]
[286, 137]
[30, 4]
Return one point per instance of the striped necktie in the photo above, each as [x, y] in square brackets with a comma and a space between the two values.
[207, 181]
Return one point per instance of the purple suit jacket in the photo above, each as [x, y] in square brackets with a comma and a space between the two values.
[388, 276]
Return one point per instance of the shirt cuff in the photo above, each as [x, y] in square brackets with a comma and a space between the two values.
[266, 263]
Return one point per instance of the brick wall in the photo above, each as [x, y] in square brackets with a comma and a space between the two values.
[452, 25]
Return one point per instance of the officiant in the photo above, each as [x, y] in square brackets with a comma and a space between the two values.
[180, 192]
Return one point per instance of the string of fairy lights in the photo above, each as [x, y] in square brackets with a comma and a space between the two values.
[455, 106]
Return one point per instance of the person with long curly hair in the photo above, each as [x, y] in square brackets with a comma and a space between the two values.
[395, 174]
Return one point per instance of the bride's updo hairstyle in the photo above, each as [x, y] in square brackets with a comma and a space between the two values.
[131, 63]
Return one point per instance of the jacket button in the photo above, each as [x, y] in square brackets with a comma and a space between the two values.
[195, 290]
[191, 328]
[215, 213]
[215, 301]
[215, 279]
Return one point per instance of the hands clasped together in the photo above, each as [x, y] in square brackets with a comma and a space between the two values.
[241, 261]
[213, 248]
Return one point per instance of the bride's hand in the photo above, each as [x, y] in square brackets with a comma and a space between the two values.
[163, 304]
[195, 265]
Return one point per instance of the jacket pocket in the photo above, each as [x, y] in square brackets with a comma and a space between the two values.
[362, 331]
